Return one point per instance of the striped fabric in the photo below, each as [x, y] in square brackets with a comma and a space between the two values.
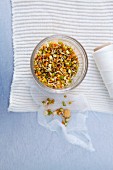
[90, 22]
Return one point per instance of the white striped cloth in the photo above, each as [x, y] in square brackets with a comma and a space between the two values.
[90, 22]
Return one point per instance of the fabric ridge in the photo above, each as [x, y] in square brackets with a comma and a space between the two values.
[90, 22]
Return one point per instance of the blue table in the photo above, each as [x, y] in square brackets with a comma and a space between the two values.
[25, 145]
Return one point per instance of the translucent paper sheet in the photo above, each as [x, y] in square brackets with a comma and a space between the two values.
[76, 131]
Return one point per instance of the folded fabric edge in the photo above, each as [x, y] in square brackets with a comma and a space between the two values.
[12, 80]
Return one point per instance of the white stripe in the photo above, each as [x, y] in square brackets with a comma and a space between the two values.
[90, 22]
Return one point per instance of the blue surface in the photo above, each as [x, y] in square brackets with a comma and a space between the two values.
[25, 145]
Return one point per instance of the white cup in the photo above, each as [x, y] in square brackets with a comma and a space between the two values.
[103, 57]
